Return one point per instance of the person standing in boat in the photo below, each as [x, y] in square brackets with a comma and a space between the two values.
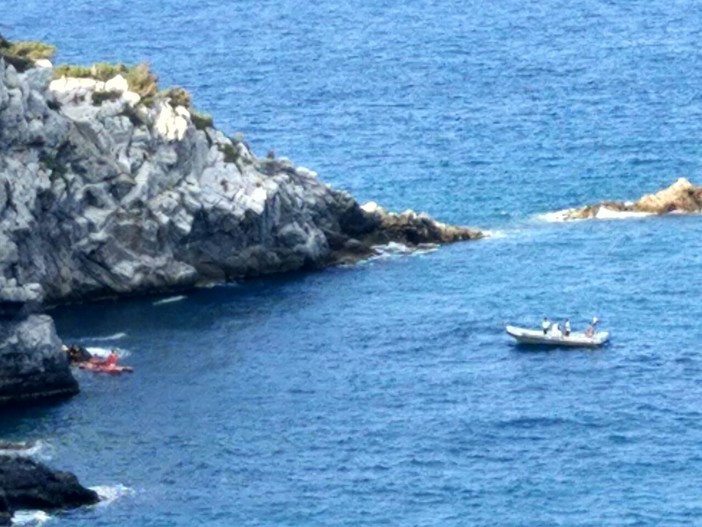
[111, 359]
[556, 330]
[590, 331]
[545, 325]
[566, 327]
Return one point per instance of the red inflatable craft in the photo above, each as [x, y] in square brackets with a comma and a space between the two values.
[105, 368]
[108, 365]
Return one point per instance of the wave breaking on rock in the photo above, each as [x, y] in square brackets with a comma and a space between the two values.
[682, 197]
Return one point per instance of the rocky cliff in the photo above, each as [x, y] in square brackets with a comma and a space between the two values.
[104, 192]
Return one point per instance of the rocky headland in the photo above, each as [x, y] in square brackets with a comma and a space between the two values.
[681, 197]
[111, 187]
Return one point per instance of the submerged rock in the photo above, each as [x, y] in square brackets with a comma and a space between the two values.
[28, 484]
[681, 197]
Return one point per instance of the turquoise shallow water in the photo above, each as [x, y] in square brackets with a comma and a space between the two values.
[387, 393]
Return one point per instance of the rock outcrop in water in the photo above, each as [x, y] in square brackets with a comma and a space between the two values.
[103, 193]
[681, 197]
[27, 484]
[32, 365]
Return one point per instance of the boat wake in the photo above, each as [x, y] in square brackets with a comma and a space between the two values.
[169, 300]
[104, 352]
[116, 336]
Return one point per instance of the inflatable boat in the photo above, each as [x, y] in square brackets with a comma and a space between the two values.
[539, 338]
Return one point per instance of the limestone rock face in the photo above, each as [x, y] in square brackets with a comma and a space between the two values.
[101, 196]
[681, 197]
[17, 301]
[28, 484]
[32, 365]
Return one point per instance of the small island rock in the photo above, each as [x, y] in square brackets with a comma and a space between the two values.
[681, 197]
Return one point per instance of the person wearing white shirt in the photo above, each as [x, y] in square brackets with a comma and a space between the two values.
[545, 325]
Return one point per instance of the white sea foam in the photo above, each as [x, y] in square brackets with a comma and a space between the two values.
[394, 249]
[104, 352]
[554, 217]
[116, 336]
[169, 300]
[605, 213]
[494, 235]
[30, 448]
[30, 518]
[110, 493]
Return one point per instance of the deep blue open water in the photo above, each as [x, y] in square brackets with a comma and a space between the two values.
[387, 393]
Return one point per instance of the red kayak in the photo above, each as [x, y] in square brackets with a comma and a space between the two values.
[105, 368]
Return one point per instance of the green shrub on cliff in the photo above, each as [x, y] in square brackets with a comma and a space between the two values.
[102, 71]
[23, 54]
[201, 120]
[177, 96]
[140, 78]
[32, 50]
[231, 154]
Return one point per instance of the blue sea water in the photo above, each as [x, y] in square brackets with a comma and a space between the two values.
[387, 393]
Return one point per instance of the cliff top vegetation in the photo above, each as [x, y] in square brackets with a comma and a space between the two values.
[23, 55]
[140, 78]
